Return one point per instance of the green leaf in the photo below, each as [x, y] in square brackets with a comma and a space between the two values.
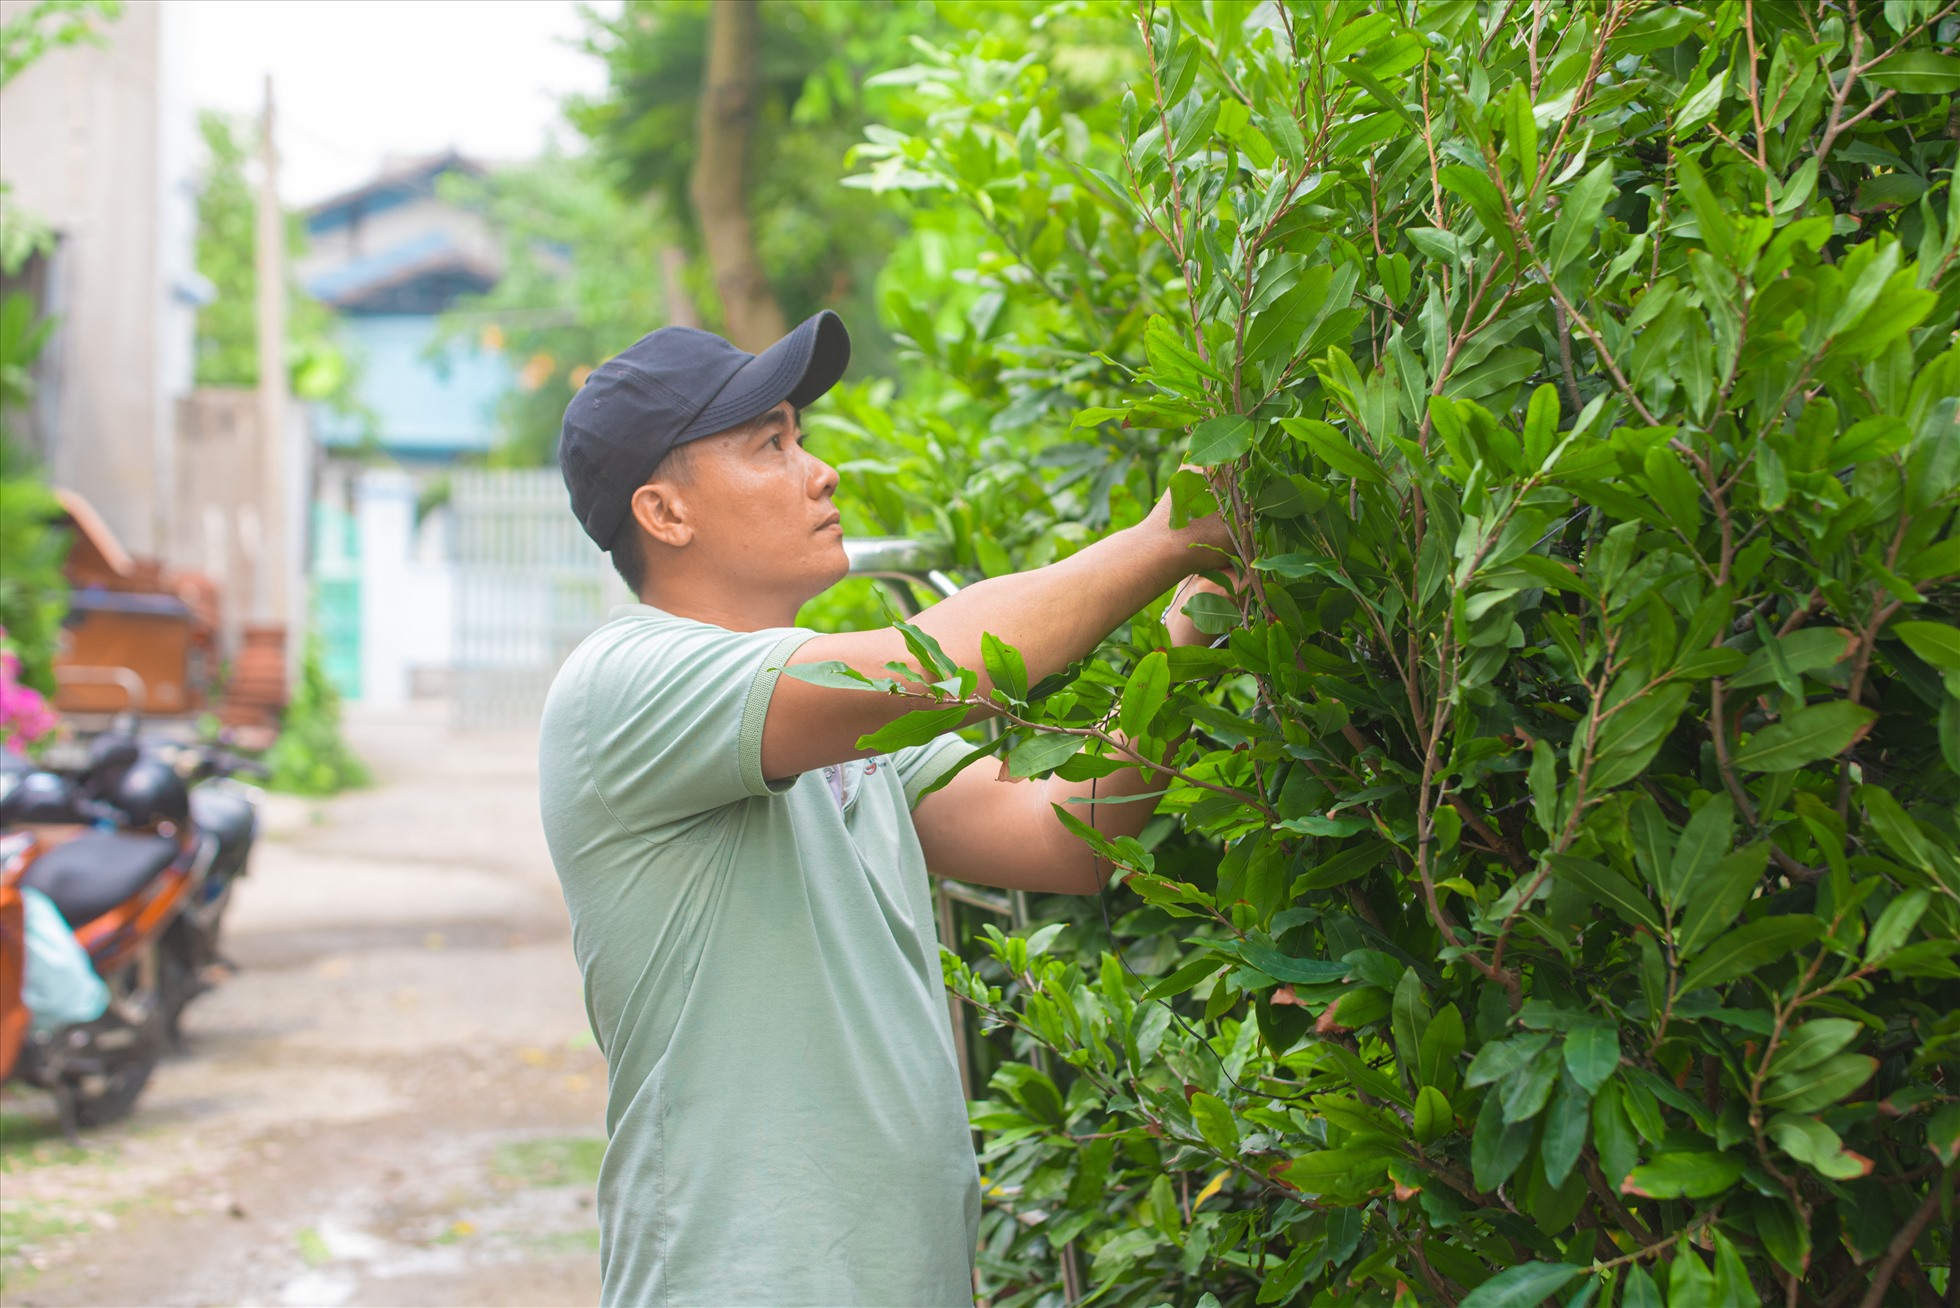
[1333, 448]
[1524, 1286]
[1283, 967]
[1183, 979]
[1787, 1241]
[1812, 732]
[1813, 1042]
[1633, 736]
[1943, 1135]
[1895, 924]
[1279, 329]
[1144, 695]
[1526, 1090]
[1895, 827]
[1432, 1115]
[1816, 1145]
[1684, 1175]
[1709, 834]
[914, 728]
[1497, 1147]
[1565, 1131]
[1613, 1135]
[1578, 218]
[1602, 885]
[1521, 129]
[1592, 1054]
[1500, 1058]
[1215, 1123]
[1917, 72]
[1711, 216]
[1437, 1051]
[1749, 947]
[1716, 898]
[925, 649]
[835, 674]
[1820, 1085]
[1220, 440]
[1408, 1020]
[1005, 667]
[1041, 753]
[1935, 642]
[1801, 652]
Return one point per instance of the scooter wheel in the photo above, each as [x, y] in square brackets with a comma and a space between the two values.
[128, 1042]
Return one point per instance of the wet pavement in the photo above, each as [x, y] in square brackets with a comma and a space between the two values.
[394, 1101]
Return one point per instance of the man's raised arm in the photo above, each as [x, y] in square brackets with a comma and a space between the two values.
[1053, 615]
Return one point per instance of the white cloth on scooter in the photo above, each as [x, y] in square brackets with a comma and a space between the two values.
[60, 987]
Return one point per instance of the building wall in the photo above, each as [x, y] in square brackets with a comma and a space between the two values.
[90, 141]
[422, 405]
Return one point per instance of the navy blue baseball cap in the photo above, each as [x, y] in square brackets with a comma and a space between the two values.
[676, 385]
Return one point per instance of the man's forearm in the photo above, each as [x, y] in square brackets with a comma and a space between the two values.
[1056, 614]
[1052, 615]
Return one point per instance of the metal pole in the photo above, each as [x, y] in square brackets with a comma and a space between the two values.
[272, 600]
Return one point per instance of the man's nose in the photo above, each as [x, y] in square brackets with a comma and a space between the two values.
[826, 478]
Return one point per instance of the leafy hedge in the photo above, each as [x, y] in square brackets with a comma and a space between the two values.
[1565, 896]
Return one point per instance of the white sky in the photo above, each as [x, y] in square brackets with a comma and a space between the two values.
[357, 81]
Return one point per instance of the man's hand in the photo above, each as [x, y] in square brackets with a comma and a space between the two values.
[1183, 631]
[1206, 537]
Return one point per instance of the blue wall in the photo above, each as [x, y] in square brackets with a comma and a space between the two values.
[423, 406]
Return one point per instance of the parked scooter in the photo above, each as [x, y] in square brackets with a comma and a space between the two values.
[144, 892]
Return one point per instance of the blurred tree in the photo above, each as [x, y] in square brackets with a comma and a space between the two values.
[586, 273]
[227, 327]
[797, 99]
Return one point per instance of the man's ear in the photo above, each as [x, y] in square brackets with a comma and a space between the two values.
[662, 513]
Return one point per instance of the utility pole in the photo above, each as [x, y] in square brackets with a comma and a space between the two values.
[272, 598]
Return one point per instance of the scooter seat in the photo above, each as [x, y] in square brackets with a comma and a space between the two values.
[233, 821]
[91, 874]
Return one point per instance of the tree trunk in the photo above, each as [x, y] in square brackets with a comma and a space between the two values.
[719, 186]
[680, 305]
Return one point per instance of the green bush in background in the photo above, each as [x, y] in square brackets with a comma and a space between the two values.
[310, 757]
[1559, 894]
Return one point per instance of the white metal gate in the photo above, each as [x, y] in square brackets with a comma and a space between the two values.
[530, 585]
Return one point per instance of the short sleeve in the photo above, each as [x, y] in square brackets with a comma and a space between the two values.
[919, 766]
[673, 719]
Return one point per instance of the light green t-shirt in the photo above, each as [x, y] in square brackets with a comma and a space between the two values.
[785, 1119]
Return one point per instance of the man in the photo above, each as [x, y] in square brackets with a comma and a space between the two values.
[747, 887]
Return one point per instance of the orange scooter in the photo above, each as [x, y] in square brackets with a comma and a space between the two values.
[120, 892]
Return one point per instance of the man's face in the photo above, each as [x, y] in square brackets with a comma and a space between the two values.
[760, 506]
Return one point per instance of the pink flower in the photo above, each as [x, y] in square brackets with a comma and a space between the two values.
[24, 715]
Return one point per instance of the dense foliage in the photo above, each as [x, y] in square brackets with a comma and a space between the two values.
[310, 757]
[819, 243]
[1561, 887]
[227, 346]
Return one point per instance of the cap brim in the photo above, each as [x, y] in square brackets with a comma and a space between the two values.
[798, 368]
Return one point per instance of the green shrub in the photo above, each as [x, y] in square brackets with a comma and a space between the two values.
[310, 757]
[1568, 877]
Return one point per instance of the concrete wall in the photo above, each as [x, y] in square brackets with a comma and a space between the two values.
[218, 524]
[407, 593]
[96, 140]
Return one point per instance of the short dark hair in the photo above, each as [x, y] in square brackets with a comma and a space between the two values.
[628, 550]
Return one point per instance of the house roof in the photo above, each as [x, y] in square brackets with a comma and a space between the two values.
[396, 185]
[366, 283]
